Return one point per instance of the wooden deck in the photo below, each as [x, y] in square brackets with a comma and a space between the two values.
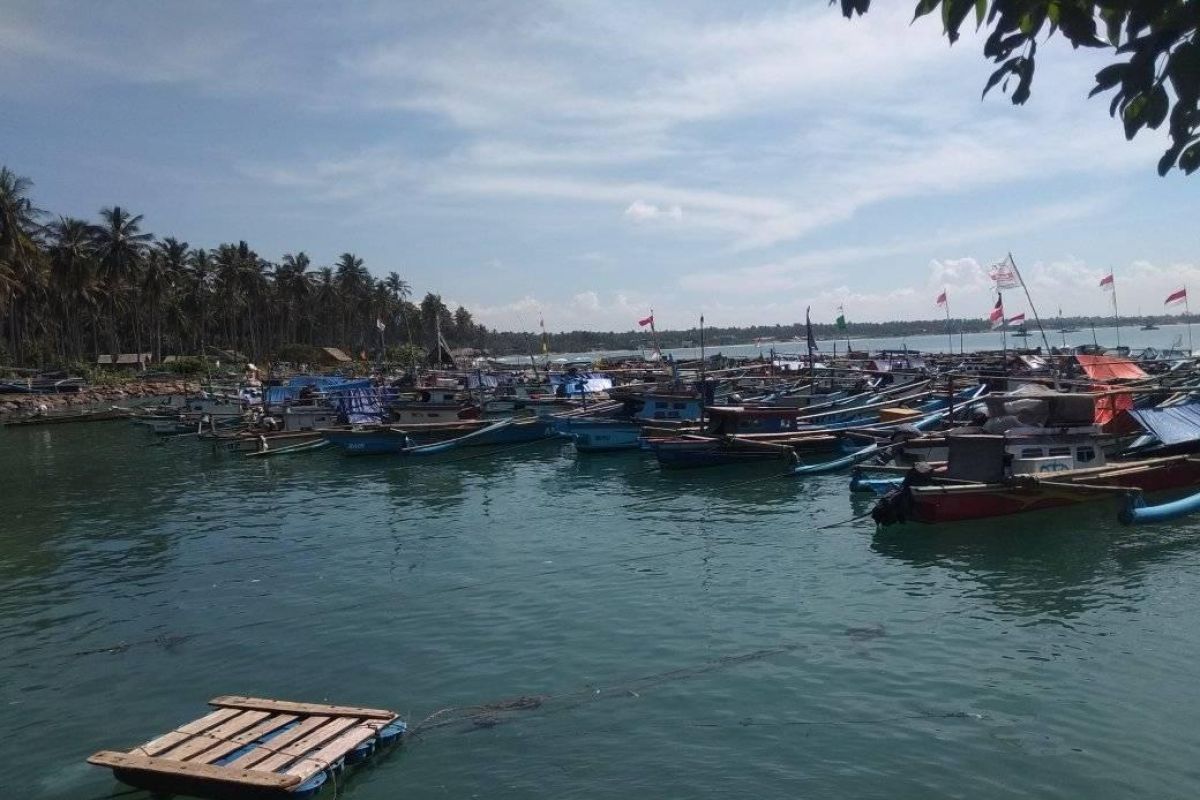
[248, 746]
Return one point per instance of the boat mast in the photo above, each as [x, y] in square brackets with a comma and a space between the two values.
[703, 386]
[1116, 313]
[1029, 299]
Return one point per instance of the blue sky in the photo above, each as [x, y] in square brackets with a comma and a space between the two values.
[591, 160]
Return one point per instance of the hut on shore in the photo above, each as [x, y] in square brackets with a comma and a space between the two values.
[130, 361]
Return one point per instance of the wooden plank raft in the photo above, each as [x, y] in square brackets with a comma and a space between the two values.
[247, 746]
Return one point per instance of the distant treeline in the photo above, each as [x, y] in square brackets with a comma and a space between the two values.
[586, 341]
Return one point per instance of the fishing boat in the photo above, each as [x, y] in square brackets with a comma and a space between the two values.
[989, 475]
[91, 415]
[432, 405]
[400, 440]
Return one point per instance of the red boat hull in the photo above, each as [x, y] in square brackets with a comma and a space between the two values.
[945, 504]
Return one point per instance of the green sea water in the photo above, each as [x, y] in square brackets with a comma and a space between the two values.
[687, 635]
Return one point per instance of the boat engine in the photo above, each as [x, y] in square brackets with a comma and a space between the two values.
[896, 506]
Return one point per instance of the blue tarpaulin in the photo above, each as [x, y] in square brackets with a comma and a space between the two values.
[1171, 425]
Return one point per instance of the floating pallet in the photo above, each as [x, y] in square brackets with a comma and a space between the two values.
[253, 747]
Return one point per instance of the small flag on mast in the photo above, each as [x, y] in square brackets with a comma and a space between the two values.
[1016, 318]
[1106, 283]
[941, 299]
[545, 343]
[647, 321]
[997, 315]
[1177, 296]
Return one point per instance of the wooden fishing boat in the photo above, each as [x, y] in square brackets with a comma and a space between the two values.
[981, 479]
[394, 439]
[739, 435]
[98, 415]
[602, 435]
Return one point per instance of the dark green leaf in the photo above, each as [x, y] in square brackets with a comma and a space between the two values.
[1156, 106]
[924, 7]
[1024, 72]
[1189, 159]
[1134, 115]
[1168, 159]
[1004, 70]
[1107, 78]
[980, 12]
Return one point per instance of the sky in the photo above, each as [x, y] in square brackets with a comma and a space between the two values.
[590, 160]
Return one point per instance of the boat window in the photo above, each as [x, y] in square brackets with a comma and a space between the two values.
[1085, 454]
[659, 404]
[1031, 452]
[1060, 451]
[680, 406]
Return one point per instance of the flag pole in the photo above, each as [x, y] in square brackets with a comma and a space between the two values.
[1116, 313]
[1003, 332]
[812, 367]
[703, 386]
[949, 333]
[1029, 299]
[1188, 313]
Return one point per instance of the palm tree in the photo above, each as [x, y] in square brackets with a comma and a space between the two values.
[200, 271]
[400, 291]
[21, 262]
[293, 282]
[120, 248]
[73, 273]
[353, 284]
[164, 266]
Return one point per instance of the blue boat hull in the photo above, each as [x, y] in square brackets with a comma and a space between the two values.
[602, 436]
[368, 443]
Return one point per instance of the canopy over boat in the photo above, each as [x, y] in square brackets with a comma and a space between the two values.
[1109, 368]
[1171, 425]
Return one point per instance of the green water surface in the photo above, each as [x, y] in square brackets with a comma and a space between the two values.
[686, 635]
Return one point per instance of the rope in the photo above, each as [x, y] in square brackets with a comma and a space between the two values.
[838, 524]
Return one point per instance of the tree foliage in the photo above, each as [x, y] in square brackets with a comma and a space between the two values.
[1155, 80]
[71, 290]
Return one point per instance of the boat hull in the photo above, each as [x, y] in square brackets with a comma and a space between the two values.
[383, 441]
[602, 436]
[934, 504]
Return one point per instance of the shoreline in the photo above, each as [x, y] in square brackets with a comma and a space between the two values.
[22, 404]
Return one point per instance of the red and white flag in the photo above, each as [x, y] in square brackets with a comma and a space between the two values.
[647, 321]
[1106, 283]
[941, 298]
[1177, 296]
[1013, 320]
[1005, 274]
[997, 315]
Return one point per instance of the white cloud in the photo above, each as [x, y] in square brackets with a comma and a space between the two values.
[641, 211]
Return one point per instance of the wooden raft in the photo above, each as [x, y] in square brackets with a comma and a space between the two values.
[279, 745]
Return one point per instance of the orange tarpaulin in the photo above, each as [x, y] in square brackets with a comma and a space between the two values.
[1109, 368]
[1109, 405]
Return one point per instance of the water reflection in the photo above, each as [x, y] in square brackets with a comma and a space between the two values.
[1058, 564]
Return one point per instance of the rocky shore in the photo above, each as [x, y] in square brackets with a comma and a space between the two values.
[18, 404]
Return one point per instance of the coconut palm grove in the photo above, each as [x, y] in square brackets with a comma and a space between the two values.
[71, 289]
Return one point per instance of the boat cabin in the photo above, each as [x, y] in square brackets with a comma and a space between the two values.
[430, 404]
[741, 420]
[664, 406]
[309, 418]
[1022, 451]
